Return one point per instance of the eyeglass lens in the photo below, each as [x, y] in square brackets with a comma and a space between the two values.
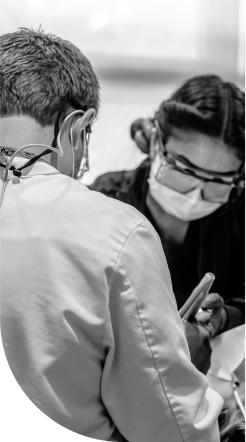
[184, 183]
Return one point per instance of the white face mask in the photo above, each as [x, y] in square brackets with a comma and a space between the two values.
[187, 207]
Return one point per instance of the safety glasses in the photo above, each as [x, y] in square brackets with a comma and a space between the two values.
[177, 177]
[181, 176]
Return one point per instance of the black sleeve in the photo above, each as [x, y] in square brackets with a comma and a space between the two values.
[235, 307]
[113, 183]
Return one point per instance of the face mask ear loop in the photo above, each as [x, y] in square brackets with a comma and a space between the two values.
[84, 164]
[86, 120]
[78, 113]
[11, 159]
[86, 134]
[158, 141]
[72, 145]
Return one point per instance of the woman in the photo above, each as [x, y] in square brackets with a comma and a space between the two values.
[191, 188]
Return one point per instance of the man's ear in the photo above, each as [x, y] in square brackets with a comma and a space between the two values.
[78, 125]
[71, 139]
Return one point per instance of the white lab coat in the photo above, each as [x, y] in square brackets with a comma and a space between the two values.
[89, 321]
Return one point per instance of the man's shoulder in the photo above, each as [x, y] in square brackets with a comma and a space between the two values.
[73, 206]
[113, 210]
[84, 205]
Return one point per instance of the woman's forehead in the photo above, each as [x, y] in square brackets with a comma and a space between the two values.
[203, 151]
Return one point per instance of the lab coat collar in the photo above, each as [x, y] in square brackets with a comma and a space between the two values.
[38, 168]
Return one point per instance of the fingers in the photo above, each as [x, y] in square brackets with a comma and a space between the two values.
[203, 317]
[212, 301]
[198, 338]
[209, 329]
[215, 303]
[205, 329]
[198, 331]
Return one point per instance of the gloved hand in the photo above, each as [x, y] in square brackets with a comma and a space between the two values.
[198, 338]
[140, 133]
[215, 304]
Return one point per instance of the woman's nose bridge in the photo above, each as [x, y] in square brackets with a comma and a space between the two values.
[200, 184]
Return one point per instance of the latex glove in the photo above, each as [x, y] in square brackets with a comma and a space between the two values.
[140, 132]
[198, 338]
[215, 304]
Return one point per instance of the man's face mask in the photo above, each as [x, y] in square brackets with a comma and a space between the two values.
[186, 192]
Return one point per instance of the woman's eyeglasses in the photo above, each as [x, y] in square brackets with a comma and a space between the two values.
[178, 174]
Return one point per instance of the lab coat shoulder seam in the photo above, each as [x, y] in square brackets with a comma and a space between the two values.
[117, 259]
[149, 346]
[121, 248]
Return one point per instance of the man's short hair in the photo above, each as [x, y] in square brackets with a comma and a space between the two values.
[40, 73]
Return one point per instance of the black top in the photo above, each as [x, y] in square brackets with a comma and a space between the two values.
[214, 243]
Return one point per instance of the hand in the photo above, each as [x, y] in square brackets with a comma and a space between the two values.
[198, 338]
[141, 133]
[215, 304]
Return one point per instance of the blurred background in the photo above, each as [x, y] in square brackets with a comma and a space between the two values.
[141, 51]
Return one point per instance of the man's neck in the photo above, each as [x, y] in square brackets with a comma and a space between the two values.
[17, 131]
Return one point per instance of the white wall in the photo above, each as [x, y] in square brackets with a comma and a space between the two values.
[164, 31]
[142, 51]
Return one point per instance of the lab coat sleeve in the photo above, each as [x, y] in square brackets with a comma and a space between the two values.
[149, 386]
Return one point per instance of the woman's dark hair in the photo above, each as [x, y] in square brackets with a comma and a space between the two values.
[40, 73]
[208, 105]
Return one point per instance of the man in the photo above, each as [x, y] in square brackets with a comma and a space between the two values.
[89, 321]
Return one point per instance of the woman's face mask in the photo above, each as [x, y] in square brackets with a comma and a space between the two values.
[193, 174]
[185, 206]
